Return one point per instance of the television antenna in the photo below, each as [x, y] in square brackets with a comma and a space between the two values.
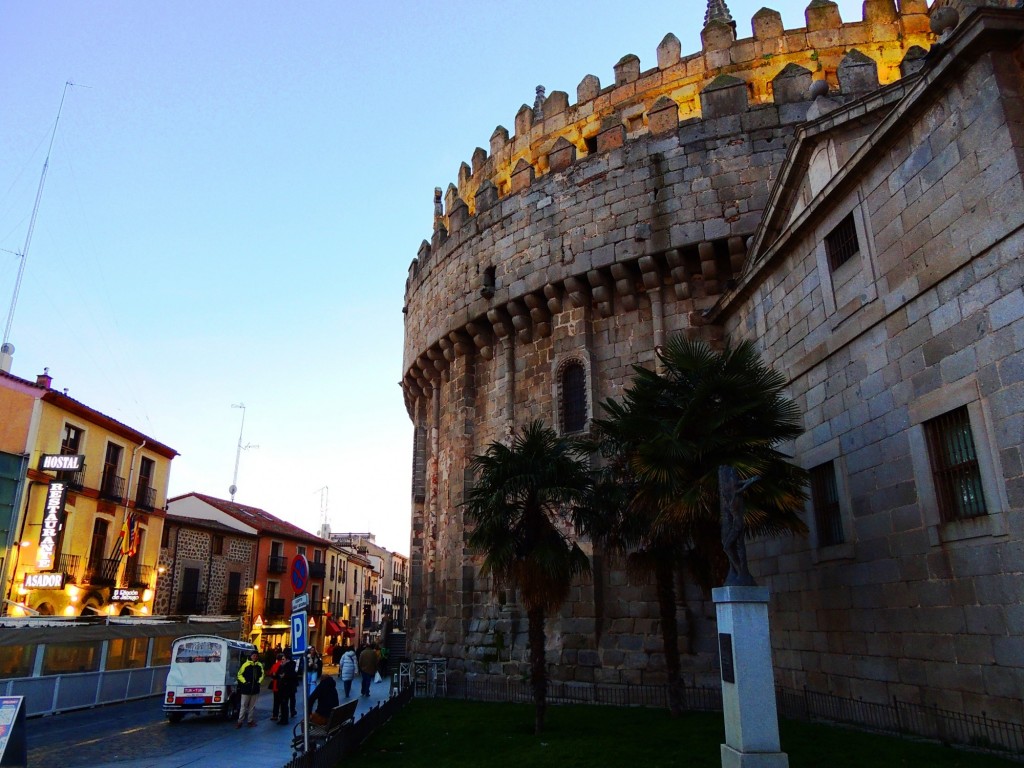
[238, 454]
[31, 227]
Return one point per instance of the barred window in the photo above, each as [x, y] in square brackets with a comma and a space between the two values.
[574, 398]
[841, 243]
[825, 500]
[954, 464]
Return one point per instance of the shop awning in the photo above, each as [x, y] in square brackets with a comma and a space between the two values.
[332, 627]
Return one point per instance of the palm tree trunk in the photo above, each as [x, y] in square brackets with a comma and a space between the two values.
[663, 576]
[538, 670]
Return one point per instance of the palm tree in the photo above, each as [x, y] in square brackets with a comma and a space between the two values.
[525, 501]
[666, 441]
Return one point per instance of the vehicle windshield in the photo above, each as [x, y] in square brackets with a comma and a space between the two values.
[200, 651]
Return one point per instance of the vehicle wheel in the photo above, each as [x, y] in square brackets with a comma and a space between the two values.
[175, 717]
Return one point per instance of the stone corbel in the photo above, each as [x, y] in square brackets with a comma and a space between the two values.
[601, 290]
[677, 268]
[553, 295]
[578, 291]
[500, 322]
[539, 314]
[481, 336]
[520, 320]
[625, 285]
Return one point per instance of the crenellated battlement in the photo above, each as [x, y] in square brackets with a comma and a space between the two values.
[727, 76]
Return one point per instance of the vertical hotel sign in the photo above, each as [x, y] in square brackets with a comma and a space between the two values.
[52, 514]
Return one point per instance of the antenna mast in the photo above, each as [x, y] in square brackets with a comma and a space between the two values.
[32, 222]
[238, 454]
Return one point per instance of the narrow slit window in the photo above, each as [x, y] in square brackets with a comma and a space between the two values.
[825, 500]
[574, 398]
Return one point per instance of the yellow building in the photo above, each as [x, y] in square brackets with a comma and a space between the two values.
[81, 505]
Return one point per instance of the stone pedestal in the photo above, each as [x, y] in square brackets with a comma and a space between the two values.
[748, 684]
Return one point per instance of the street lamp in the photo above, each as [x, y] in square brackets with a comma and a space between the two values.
[252, 605]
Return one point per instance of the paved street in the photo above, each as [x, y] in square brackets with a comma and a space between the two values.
[138, 734]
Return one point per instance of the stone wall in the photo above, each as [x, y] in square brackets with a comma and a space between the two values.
[602, 228]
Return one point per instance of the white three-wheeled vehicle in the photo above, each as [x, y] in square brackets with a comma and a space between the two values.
[202, 678]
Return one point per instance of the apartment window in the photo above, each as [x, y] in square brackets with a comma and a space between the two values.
[71, 442]
[165, 537]
[218, 544]
[841, 243]
[573, 397]
[954, 466]
[302, 551]
[825, 500]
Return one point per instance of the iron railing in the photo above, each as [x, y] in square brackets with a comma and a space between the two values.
[70, 564]
[102, 572]
[277, 564]
[75, 479]
[335, 750]
[235, 604]
[112, 486]
[317, 570]
[145, 497]
[897, 718]
[191, 603]
[138, 575]
[274, 606]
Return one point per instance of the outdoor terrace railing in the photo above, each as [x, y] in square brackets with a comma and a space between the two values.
[145, 497]
[102, 572]
[277, 564]
[112, 487]
[70, 565]
[138, 576]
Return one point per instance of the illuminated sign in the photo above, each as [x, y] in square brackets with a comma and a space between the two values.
[52, 513]
[126, 596]
[61, 462]
[45, 580]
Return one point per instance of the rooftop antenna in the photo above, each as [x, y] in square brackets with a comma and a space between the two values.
[324, 522]
[238, 454]
[31, 227]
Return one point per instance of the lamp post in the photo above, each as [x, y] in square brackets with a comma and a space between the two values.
[252, 606]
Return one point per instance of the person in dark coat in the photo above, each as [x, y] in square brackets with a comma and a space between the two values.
[325, 698]
[287, 681]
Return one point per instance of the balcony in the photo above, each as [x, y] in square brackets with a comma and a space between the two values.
[191, 603]
[145, 497]
[138, 575]
[70, 564]
[370, 597]
[273, 607]
[75, 480]
[112, 486]
[277, 564]
[317, 570]
[235, 605]
[102, 572]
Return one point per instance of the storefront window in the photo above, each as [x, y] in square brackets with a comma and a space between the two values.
[127, 653]
[16, 660]
[64, 658]
[162, 651]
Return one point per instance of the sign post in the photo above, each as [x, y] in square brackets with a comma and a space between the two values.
[299, 574]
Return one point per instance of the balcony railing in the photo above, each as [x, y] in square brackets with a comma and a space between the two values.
[235, 605]
[370, 597]
[138, 575]
[75, 480]
[274, 606]
[70, 564]
[192, 602]
[317, 570]
[102, 572]
[145, 497]
[112, 486]
[277, 564]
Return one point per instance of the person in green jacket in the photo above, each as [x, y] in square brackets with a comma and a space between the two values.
[250, 677]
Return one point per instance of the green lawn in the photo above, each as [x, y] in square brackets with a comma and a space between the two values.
[449, 734]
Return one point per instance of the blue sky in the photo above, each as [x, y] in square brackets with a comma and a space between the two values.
[233, 199]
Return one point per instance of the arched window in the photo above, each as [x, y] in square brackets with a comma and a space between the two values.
[573, 400]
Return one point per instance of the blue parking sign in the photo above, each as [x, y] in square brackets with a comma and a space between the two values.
[298, 632]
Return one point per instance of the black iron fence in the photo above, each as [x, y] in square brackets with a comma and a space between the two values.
[897, 718]
[348, 739]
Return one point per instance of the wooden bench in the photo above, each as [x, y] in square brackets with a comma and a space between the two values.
[341, 715]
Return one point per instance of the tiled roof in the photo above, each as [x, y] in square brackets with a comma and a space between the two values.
[68, 403]
[261, 520]
[198, 522]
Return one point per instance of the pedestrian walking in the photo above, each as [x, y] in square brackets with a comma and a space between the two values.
[314, 668]
[368, 667]
[336, 653]
[347, 672]
[250, 678]
[276, 714]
